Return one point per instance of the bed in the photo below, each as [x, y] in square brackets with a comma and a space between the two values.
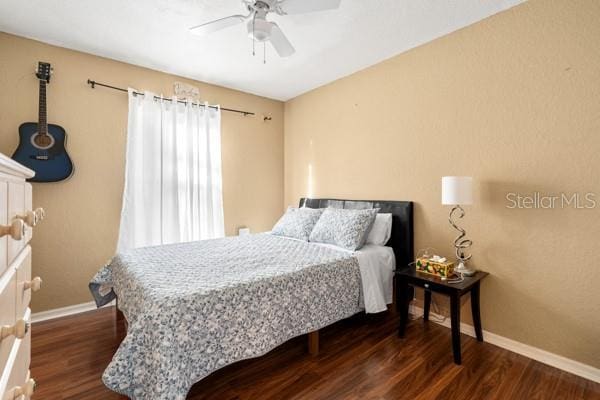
[193, 308]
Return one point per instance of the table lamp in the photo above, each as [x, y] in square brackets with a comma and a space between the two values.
[458, 191]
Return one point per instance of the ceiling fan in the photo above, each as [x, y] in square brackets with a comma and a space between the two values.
[262, 30]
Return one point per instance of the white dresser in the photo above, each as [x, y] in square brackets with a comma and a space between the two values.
[17, 219]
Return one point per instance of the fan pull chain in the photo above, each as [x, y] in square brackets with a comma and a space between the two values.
[264, 52]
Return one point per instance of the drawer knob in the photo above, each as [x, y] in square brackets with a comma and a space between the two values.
[26, 390]
[40, 213]
[16, 230]
[35, 284]
[18, 330]
[31, 218]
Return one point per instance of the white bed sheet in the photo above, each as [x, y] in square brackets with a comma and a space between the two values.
[377, 264]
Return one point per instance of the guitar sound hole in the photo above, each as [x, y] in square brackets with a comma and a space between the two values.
[42, 141]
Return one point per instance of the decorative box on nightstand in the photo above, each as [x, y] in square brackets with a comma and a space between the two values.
[438, 268]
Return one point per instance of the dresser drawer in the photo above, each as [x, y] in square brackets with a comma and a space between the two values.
[16, 206]
[24, 359]
[19, 373]
[24, 289]
[8, 289]
[3, 221]
[28, 207]
[20, 384]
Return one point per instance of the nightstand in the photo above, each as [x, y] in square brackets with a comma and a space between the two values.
[407, 277]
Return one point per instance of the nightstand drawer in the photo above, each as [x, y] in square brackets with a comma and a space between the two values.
[429, 284]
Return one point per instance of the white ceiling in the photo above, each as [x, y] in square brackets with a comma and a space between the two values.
[329, 45]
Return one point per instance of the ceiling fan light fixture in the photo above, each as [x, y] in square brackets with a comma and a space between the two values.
[259, 29]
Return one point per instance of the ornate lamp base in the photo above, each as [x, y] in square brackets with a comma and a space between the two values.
[463, 270]
[460, 243]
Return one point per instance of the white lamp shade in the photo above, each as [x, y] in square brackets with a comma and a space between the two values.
[457, 190]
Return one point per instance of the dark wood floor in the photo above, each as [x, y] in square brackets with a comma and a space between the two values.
[361, 358]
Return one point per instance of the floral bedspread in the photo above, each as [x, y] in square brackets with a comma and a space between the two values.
[195, 307]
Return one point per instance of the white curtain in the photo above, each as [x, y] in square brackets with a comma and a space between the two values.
[173, 186]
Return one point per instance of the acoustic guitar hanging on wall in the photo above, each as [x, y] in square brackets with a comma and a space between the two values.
[42, 145]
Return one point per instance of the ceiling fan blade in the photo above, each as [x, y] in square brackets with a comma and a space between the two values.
[282, 45]
[307, 6]
[217, 25]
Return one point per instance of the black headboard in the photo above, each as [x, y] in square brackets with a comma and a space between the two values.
[402, 221]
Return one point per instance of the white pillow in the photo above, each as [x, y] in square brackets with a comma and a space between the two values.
[381, 230]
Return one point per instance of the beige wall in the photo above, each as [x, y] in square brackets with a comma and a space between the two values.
[80, 232]
[513, 101]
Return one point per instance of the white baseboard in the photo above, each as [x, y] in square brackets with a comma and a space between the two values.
[554, 360]
[65, 311]
[543, 356]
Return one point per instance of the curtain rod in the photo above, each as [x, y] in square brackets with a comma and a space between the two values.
[93, 84]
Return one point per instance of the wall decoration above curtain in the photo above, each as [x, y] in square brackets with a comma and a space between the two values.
[173, 184]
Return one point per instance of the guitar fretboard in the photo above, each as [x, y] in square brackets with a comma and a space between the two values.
[42, 121]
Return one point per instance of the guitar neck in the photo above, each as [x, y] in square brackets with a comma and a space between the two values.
[43, 112]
